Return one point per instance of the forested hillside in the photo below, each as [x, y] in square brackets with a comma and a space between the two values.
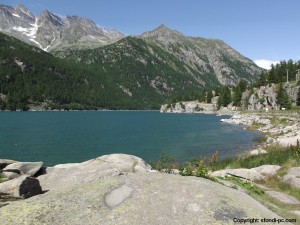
[31, 76]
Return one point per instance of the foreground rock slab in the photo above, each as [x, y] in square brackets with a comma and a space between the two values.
[67, 175]
[137, 198]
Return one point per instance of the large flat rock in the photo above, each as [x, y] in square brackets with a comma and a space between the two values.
[67, 175]
[135, 199]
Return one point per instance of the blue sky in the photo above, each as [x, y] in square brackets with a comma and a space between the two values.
[258, 29]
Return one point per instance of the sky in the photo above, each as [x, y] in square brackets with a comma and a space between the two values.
[265, 31]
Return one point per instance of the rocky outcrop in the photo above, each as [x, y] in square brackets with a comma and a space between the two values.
[20, 168]
[282, 129]
[68, 175]
[262, 98]
[23, 186]
[265, 97]
[6, 162]
[137, 198]
[188, 107]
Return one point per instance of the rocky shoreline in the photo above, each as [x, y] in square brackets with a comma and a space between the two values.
[281, 129]
[196, 107]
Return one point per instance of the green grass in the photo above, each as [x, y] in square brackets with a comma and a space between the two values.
[277, 155]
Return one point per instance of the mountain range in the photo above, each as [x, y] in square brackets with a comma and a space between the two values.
[162, 62]
[49, 31]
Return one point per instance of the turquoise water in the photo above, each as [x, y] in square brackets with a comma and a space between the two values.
[61, 137]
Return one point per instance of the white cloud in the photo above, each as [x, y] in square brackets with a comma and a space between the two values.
[265, 63]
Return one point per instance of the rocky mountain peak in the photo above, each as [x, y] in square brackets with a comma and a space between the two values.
[21, 10]
[48, 17]
[162, 32]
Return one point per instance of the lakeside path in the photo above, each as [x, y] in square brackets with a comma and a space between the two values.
[280, 128]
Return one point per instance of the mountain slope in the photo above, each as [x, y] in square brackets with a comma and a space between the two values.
[199, 62]
[30, 76]
[210, 56]
[48, 31]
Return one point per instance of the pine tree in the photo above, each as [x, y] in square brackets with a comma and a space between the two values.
[283, 99]
[237, 96]
[226, 96]
[209, 96]
[298, 98]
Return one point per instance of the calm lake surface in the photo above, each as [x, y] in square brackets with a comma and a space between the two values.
[62, 137]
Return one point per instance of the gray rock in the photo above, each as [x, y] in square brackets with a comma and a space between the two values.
[23, 186]
[291, 180]
[295, 171]
[258, 152]
[16, 169]
[147, 198]
[66, 175]
[267, 170]
[296, 212]
[292, 177]
[270, 140]
[248, 174]
[10, 175]
[117, 196]
[5, 162]
[283, 198]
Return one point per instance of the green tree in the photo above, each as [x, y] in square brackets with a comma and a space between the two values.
[283, 100]
[237, 96]
[298, 98]
[226, 96]
[209, 96]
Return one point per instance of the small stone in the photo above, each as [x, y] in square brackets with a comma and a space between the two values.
[117, 196]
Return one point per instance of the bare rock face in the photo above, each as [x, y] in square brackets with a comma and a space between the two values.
[67, 175]
[23, 186]
[137, 198]
[188, 107]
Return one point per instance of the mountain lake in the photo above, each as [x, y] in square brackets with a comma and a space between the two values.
[76, 136]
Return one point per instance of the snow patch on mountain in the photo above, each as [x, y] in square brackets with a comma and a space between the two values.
[16, 15]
